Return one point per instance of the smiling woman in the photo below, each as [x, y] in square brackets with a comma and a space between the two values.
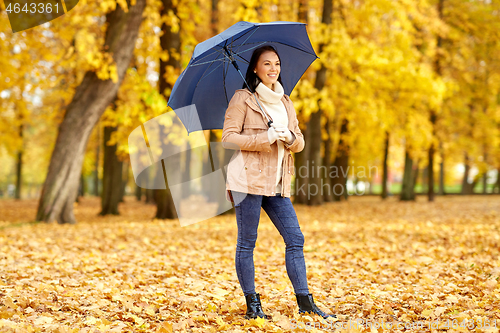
[262, 178]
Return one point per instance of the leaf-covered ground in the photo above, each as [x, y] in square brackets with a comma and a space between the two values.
[367, 260]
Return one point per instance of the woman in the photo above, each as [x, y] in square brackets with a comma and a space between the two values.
[259, 175]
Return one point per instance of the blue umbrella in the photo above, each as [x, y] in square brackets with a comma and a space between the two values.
[214, 72]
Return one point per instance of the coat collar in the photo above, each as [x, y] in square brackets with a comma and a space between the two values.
[250, 101]
[268, 95]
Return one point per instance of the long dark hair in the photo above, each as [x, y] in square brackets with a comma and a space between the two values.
[252, 79]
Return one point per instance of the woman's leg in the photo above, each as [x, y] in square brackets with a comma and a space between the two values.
[247, 208]
[282, 213]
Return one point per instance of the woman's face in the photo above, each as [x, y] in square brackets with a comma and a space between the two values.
[268, 68]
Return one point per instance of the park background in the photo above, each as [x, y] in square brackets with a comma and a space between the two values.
[408, 87]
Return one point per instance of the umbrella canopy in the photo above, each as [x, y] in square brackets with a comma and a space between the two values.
[210, 79]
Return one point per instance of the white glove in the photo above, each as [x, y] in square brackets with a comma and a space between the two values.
[272, 135]
[284, 133]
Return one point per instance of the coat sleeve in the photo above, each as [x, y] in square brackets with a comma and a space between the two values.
[233, 124]
[298, 143]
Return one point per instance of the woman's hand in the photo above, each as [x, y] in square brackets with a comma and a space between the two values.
[284, 133]
[272, 135]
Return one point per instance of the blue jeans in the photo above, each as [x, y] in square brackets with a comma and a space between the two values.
[281, 212]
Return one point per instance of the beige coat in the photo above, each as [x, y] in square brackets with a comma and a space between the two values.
[253, 169]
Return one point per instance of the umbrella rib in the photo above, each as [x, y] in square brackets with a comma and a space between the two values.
[205, 56]
[254, 31]
[207, 62]
[233, 40]
[239, 46]
[204, 76]
[216, 50]
[226, 57]
[295, 47]
[269, 41]
[223, 54]
[211, 61]
[224, 81]
[253, 47]
[242, 58]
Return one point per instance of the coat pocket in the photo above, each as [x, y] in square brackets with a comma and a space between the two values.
[291, 165]
[246, 159]
[250, 172]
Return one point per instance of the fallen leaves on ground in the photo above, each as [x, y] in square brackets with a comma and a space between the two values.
[367, 261]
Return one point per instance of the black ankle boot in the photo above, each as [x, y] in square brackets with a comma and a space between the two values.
[306, 305]
[254, 308]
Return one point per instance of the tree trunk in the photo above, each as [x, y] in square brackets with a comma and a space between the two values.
[301, 183]
[170, 42]
[214, 18]
[96, 166]
[138, 192]
[207, 168]
[150, 197]
[485, 182]
[91, 98]
[19, 166]
[327, 195]
[485, 175]
[126, 165]
[341, 165]
[303, 8]
[466, 186]
[220, 157]
[425, 179]
[441, 172]
[433, 115]
[407, 192]
[228, 153]
[385, 167]
[474, 183]
[186, 172]
[213, 195]
[111, 176]
[212, 155]
[165, 208]
[430, 167]
[83, 189]
[497, 185]
[416, 173]
[315, 188]
[302, 171]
